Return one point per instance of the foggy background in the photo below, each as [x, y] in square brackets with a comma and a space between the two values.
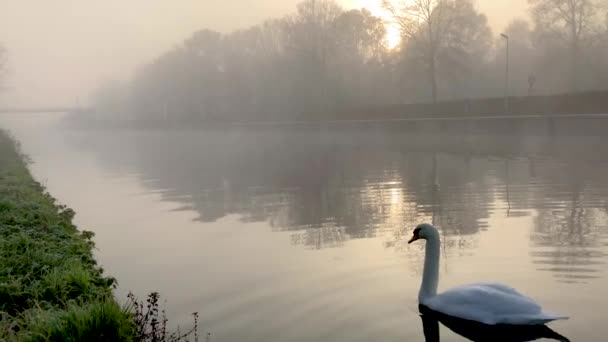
[60, 51]
[244, 135]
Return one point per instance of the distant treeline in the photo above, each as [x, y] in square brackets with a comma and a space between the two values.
[524, 106]
[322, 59]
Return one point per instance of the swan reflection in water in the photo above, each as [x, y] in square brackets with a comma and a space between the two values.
[480, 332]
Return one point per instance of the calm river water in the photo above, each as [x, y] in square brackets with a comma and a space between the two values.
[301, 234]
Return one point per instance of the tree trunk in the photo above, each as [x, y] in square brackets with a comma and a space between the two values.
[574, 64]
[433, 75]
[574, 51]
[432, 58]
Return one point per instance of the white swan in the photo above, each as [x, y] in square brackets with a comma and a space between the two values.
[487, 303]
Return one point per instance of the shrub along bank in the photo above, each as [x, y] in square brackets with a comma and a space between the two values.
[51, 288]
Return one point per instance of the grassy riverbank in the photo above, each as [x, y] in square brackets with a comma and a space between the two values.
[51, 288]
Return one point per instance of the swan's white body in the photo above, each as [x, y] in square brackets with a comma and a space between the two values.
[488, 303]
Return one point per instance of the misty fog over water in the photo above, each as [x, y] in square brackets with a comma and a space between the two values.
[301, 234]
[263, 163]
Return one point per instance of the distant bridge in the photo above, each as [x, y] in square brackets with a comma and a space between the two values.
[41, 110]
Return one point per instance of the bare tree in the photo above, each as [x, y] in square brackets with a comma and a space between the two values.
[451, 32]
[424, 22]
[359, 53]
[311, 42]
[570, 21]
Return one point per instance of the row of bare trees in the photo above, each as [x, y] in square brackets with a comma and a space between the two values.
[572, 25]
[322, 58]
[452, 30]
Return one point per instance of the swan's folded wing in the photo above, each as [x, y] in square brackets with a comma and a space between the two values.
[490, 304]
[498, 287]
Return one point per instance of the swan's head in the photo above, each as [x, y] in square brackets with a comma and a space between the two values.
[423, 231]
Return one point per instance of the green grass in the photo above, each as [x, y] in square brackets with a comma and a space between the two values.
[51, 288]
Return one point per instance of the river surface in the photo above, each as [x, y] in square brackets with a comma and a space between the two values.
[301, 234]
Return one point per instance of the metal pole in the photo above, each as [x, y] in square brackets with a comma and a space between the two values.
[507, 77]
[506, 37]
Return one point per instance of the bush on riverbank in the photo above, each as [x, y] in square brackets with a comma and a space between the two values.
[51, 288]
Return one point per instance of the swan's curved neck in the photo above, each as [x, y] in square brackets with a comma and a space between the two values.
[430, 275]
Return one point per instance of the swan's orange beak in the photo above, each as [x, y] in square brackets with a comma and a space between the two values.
[414, 238]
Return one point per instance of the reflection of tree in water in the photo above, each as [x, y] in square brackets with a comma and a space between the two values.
[568, 233]
[329, 187]
[324, 187]
[453, 196]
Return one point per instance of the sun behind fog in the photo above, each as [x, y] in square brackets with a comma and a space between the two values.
[393, 36]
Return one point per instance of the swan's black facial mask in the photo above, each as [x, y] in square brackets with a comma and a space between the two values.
[416, 236]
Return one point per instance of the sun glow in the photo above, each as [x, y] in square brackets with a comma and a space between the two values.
[393, 36]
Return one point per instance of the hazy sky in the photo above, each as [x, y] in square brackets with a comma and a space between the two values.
[60, 50]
